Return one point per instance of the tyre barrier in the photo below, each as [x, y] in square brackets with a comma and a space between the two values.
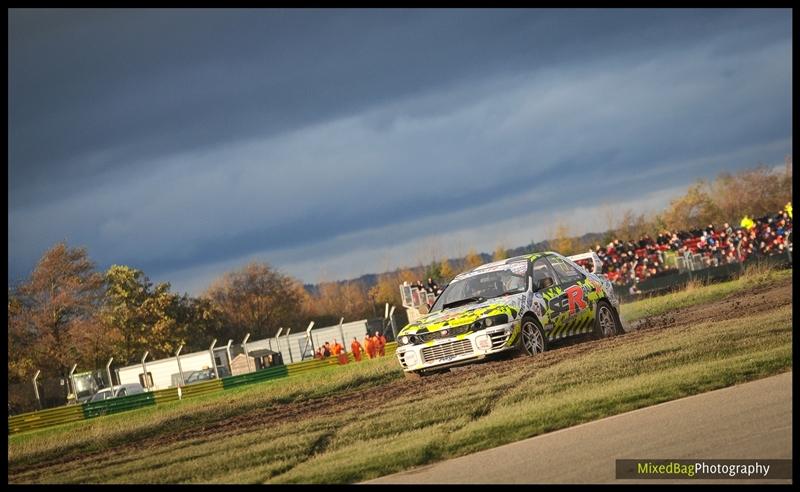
[42, 419]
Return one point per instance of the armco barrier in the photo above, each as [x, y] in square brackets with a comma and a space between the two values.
[73, 413]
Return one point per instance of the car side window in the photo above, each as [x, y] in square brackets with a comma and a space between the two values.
[566, 272]
[542, 270]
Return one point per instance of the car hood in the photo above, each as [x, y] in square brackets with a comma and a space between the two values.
[461, 315]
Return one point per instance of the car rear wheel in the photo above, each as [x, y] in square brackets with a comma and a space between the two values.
[532, 340]
[606, 323]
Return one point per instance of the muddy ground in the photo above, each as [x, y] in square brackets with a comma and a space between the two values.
[759, 299]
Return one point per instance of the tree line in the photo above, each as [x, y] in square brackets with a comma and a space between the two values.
[68, 312]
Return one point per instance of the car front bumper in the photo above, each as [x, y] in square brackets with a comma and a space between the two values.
[460, 349]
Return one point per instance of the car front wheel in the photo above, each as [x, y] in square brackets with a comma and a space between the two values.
[532, 339]
[606, 323]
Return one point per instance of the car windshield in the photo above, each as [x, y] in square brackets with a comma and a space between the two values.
[484, 283]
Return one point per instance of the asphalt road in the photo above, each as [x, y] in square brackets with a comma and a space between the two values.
[747, 421]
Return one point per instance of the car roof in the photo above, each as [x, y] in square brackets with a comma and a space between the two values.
[531, 256]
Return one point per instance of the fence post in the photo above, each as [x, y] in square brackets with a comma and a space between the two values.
[391, 322]
[277, 339]
[213, 360]
[341, 333]
[289, 346]
[144, 370]
[72, 382]
[108, 373]
[228, 352]
[246, 354]
[309, 339]
[180, 369]
[36, 389]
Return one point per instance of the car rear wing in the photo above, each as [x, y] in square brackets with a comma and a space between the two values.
[597, 263]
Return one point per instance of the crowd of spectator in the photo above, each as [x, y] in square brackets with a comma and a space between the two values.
[374, 346]
[626, 262]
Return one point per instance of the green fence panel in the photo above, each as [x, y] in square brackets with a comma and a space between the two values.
[120, 404]
[255, 377]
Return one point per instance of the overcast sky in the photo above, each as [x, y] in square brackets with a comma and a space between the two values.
[335, 143]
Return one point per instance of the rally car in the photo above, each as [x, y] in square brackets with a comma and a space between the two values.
[519, 304]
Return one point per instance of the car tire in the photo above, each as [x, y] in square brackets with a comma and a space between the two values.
[531, 338]
[606, 321]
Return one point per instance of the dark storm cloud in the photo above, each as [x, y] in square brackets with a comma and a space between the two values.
[210, 136]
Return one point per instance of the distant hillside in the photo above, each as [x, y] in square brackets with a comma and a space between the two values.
[370, 279]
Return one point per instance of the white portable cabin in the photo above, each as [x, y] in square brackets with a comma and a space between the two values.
[164, 373]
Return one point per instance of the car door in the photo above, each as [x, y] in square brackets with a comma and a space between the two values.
[575, 312]
[546, 283]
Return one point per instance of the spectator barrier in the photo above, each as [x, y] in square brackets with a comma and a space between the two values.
[664, 283]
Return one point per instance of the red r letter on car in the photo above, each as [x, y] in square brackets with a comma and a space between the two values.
[575, 296]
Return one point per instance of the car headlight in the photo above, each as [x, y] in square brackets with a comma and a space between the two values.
[410, 357]
[487, 322]
[404, 340]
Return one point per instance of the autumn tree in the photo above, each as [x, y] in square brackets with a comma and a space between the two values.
[434, 271]
[633, 226]
[47, 311]
[562, 241]
[205, 322]
[446, 271]
[500, 253]
[96, 342]
[753, 192]
[127, 290]
[472, 260]
[257, 299]
[693, 210]
[21, 338]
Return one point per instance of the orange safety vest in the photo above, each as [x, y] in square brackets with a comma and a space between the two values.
[369, 347]
[381, 344]
[355, 347]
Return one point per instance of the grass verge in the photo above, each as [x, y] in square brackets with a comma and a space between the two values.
[695, 293]
[480, 411]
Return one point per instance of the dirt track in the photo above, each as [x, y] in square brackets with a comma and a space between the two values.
[756, 300]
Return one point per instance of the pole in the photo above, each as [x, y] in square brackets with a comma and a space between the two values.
[108, 373]
[391, 322]
[341, 332]
[310, 338]
[277, 340]
[144, 370]
[213, 360]
[72, 381]
[36, 389]
[228, 351]
[246, 354]
[180, 369]
[289, 346]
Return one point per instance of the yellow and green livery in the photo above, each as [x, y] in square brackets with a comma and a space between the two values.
[519, 304]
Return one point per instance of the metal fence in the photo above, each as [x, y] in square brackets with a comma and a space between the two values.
[63, 415]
